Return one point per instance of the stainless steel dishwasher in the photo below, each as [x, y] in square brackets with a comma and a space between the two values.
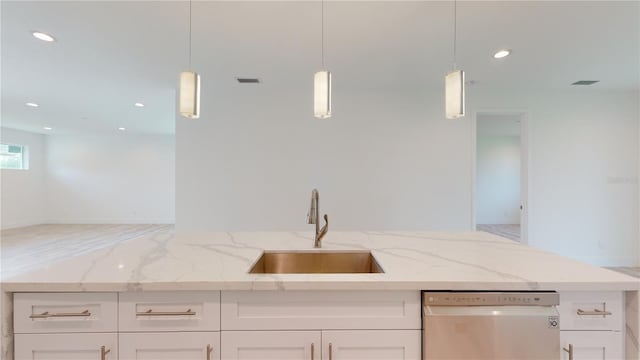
[490, 325]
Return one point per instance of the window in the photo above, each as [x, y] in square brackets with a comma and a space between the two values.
[13, 157]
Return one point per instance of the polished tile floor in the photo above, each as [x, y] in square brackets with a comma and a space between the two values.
[510, 231]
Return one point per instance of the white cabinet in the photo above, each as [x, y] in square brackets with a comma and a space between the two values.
[170, 346]
[66, 346]
[335, 325]
[371, 345]
[592, 345]
[271, 345]
[325, 345]
[591, 325]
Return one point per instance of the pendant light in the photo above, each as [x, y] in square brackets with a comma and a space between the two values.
[190, 87]
[454, 81]
[322, 85]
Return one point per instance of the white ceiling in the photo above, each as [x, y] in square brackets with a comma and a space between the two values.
[110, 55]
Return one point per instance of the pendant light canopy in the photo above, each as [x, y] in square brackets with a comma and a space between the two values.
[322, 86]
[189, 87]
[454, 81]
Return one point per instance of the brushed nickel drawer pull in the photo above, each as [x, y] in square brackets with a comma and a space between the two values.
[570, 351]
[103, 352]
[150, 312]
[312, 350]
[594, 312]
[209, 350]
[46, 315]
[330, 351]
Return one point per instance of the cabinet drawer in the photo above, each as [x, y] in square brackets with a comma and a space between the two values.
[66, 346]
[170, 311]
[168, 345]
[308, 310]
[65, 312]
[591, 311]
[592, 345]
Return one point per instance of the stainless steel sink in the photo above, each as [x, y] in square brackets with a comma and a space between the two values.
[315, 262]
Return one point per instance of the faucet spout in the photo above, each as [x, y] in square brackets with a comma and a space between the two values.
[312, 216]
[320, 234]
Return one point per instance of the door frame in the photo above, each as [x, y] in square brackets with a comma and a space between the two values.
[525, 166]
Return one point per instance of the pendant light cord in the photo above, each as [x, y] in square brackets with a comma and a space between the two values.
[455, 33]
[189, 34]
[322, 35]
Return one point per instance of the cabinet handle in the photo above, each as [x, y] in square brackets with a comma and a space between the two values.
[209, 350]
[150, 312]
[312, 350]
[103, 352]
[594, 312]
[46, 315]
[570, 351]
[330, 351]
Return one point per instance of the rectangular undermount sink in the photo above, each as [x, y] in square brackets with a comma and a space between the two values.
[316, 262]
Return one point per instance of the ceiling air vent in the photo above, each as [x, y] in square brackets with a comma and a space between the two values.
[248, 80]
[585, 82]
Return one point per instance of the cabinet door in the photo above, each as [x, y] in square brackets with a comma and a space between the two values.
[170, 346]
[98, 346]
[371, 344]
[592, 345]
[271, 345]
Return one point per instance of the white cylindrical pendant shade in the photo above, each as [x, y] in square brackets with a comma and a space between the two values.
[189, 94]
[454, 94]
[322, 94]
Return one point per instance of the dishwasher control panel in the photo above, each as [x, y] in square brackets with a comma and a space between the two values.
[448, 298]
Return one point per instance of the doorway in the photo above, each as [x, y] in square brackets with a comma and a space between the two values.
[501, 173]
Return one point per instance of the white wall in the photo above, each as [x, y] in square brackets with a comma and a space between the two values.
[110, 178]
[583, 187]
[388, 161]
[22, 202]
[498, 179]
[381, 162]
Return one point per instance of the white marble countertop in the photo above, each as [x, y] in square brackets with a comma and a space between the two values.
[163, 260]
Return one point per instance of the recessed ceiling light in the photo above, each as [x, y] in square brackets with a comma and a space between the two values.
[31, 104]
[501, 54]
[47, 128]
[138, 104]
[43, 36]
[122, 129]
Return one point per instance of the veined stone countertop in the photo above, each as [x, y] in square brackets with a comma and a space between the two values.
[163, 260]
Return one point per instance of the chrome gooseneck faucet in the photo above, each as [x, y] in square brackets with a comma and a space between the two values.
[313, 218]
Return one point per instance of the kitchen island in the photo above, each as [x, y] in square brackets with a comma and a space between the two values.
[412, 261]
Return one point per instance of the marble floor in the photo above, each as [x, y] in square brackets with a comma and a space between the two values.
[510, 231]
[32, 247]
